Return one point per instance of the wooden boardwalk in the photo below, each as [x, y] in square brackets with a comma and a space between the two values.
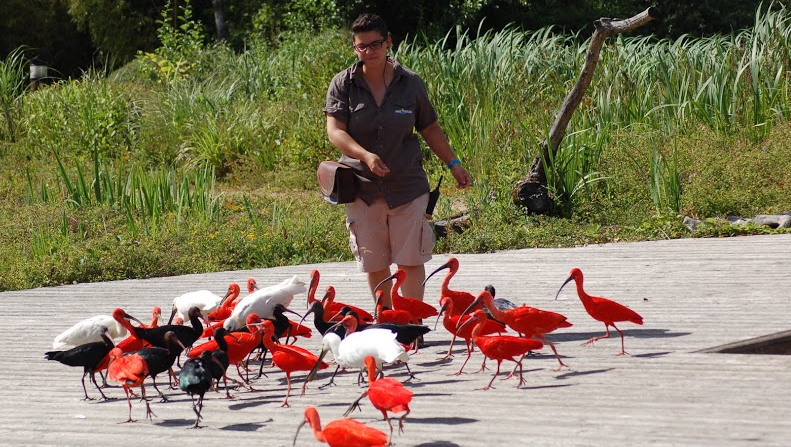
[693, 294]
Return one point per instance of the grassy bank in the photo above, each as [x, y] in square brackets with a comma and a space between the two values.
[208, 163]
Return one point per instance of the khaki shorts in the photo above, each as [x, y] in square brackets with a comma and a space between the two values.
[380, 236]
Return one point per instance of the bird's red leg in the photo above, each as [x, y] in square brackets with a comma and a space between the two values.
[401, 422]
[355, 404]
[225, 381]
[469, 354]
[149, 413]
[390, 438]
[483, 366]
[288, 392]
[518, 365]
[595, 339]
[557, 356]
[450, 349]
[129, 402]
[174, 379]
[493, 377]
[623, 349]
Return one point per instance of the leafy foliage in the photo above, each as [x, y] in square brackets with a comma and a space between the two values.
[215, 170]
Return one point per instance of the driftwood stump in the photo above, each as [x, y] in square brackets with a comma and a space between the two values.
[532, 192]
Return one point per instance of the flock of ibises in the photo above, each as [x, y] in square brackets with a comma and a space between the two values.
[220, 332]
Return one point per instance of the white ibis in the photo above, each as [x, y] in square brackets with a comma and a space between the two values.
[205, 300]
[352, 350]
[262, 302]
[89, 330]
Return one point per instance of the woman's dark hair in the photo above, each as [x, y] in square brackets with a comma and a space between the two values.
[369, 22]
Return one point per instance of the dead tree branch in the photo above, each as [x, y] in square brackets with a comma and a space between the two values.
[532, 192]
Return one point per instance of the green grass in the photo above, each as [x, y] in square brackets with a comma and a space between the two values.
[132, 176]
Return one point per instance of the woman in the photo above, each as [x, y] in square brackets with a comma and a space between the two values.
[372, 110]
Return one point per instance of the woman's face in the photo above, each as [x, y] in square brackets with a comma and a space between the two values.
[370, 45]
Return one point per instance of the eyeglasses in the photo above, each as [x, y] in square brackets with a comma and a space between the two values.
[373, 46]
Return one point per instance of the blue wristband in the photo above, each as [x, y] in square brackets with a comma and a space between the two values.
[453, 162]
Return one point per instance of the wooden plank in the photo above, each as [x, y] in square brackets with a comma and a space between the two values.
[693, 294]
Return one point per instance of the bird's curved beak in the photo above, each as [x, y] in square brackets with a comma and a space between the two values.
[129, 317]
[439, 269]
[441, 310]
[227, 294]
[465, 323]
[466, 311]
[297, 433]
[295, 313]
[564, 285]
[310, 311]
[339, 314]
[385, 280]
[312, 374]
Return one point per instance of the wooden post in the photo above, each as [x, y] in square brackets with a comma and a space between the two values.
[532, 192]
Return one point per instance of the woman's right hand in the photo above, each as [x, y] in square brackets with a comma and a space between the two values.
[375, 164]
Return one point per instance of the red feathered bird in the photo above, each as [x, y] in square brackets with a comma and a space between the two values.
[454, 325]
[289, 358]
[528, 321]
[419, 309]
[461, 299]
[386, 394]
[342, 432]
[602, 309]
[130, 371]
[500, 347]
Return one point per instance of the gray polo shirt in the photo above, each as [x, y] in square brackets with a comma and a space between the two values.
[387, 130]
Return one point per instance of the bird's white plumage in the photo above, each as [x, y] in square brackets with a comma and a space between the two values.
[352, 350]
[262, 301]
[89, 330]
[205, 300]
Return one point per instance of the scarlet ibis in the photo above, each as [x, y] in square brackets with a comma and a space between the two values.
[283, 327]
[332, 307]
[196, 378]
[352, 350]
[417, 308]
[453, 324]
[460, 299]
[88, 355]
[500, 347]
[602, 309]
[205, 300]
[383, 315]
[262, 301]
[342, 432]
[313, 286]
[130, 371]
[160, 359]
[156, 314]
[89, 330]
[226, 307]
[527, 321]
[239, 346]
[386, 394]
[130, 343]
[289, 358]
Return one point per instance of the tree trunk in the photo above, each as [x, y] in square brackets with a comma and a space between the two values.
[532, 192]
[219, 19]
